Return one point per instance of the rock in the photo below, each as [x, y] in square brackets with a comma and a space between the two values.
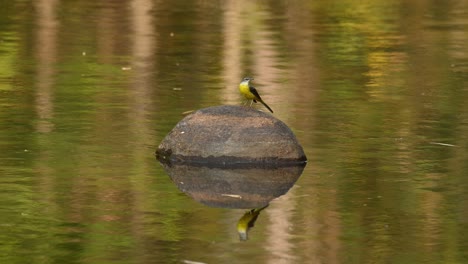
[231, 135]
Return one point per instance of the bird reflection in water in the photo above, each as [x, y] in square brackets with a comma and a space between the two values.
[247, 221]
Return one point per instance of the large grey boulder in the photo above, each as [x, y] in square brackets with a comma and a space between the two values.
[231, 135]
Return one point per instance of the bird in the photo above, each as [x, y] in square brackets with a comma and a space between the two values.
[247, 221]
[250, 93]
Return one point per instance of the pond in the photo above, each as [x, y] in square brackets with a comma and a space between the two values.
[375, 91]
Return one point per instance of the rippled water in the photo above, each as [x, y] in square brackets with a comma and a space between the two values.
[374, 90]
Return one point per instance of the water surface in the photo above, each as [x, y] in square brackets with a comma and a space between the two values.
[374, 90]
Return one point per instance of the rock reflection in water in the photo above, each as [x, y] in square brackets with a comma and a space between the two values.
[239, 187]
[234, 187]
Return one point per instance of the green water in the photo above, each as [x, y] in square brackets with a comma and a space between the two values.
[374, 90]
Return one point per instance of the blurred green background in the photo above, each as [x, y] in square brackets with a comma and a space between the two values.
[375, 91]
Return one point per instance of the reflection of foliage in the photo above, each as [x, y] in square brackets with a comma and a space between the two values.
[393, 80]
[390, 94]
[8, 57]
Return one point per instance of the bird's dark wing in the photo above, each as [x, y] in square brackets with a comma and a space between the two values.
[254, 91]
[258, 98]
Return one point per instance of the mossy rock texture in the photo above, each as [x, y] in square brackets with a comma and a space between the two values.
[229, 135]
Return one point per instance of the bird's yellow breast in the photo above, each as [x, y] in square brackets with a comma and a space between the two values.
[245, 90]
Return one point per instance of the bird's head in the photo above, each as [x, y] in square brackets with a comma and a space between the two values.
[247, 79]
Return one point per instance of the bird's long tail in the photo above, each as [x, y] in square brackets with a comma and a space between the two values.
[261, 101]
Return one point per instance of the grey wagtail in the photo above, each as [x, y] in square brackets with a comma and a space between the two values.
[250, 92]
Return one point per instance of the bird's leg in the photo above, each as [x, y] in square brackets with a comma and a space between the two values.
[251, 103]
